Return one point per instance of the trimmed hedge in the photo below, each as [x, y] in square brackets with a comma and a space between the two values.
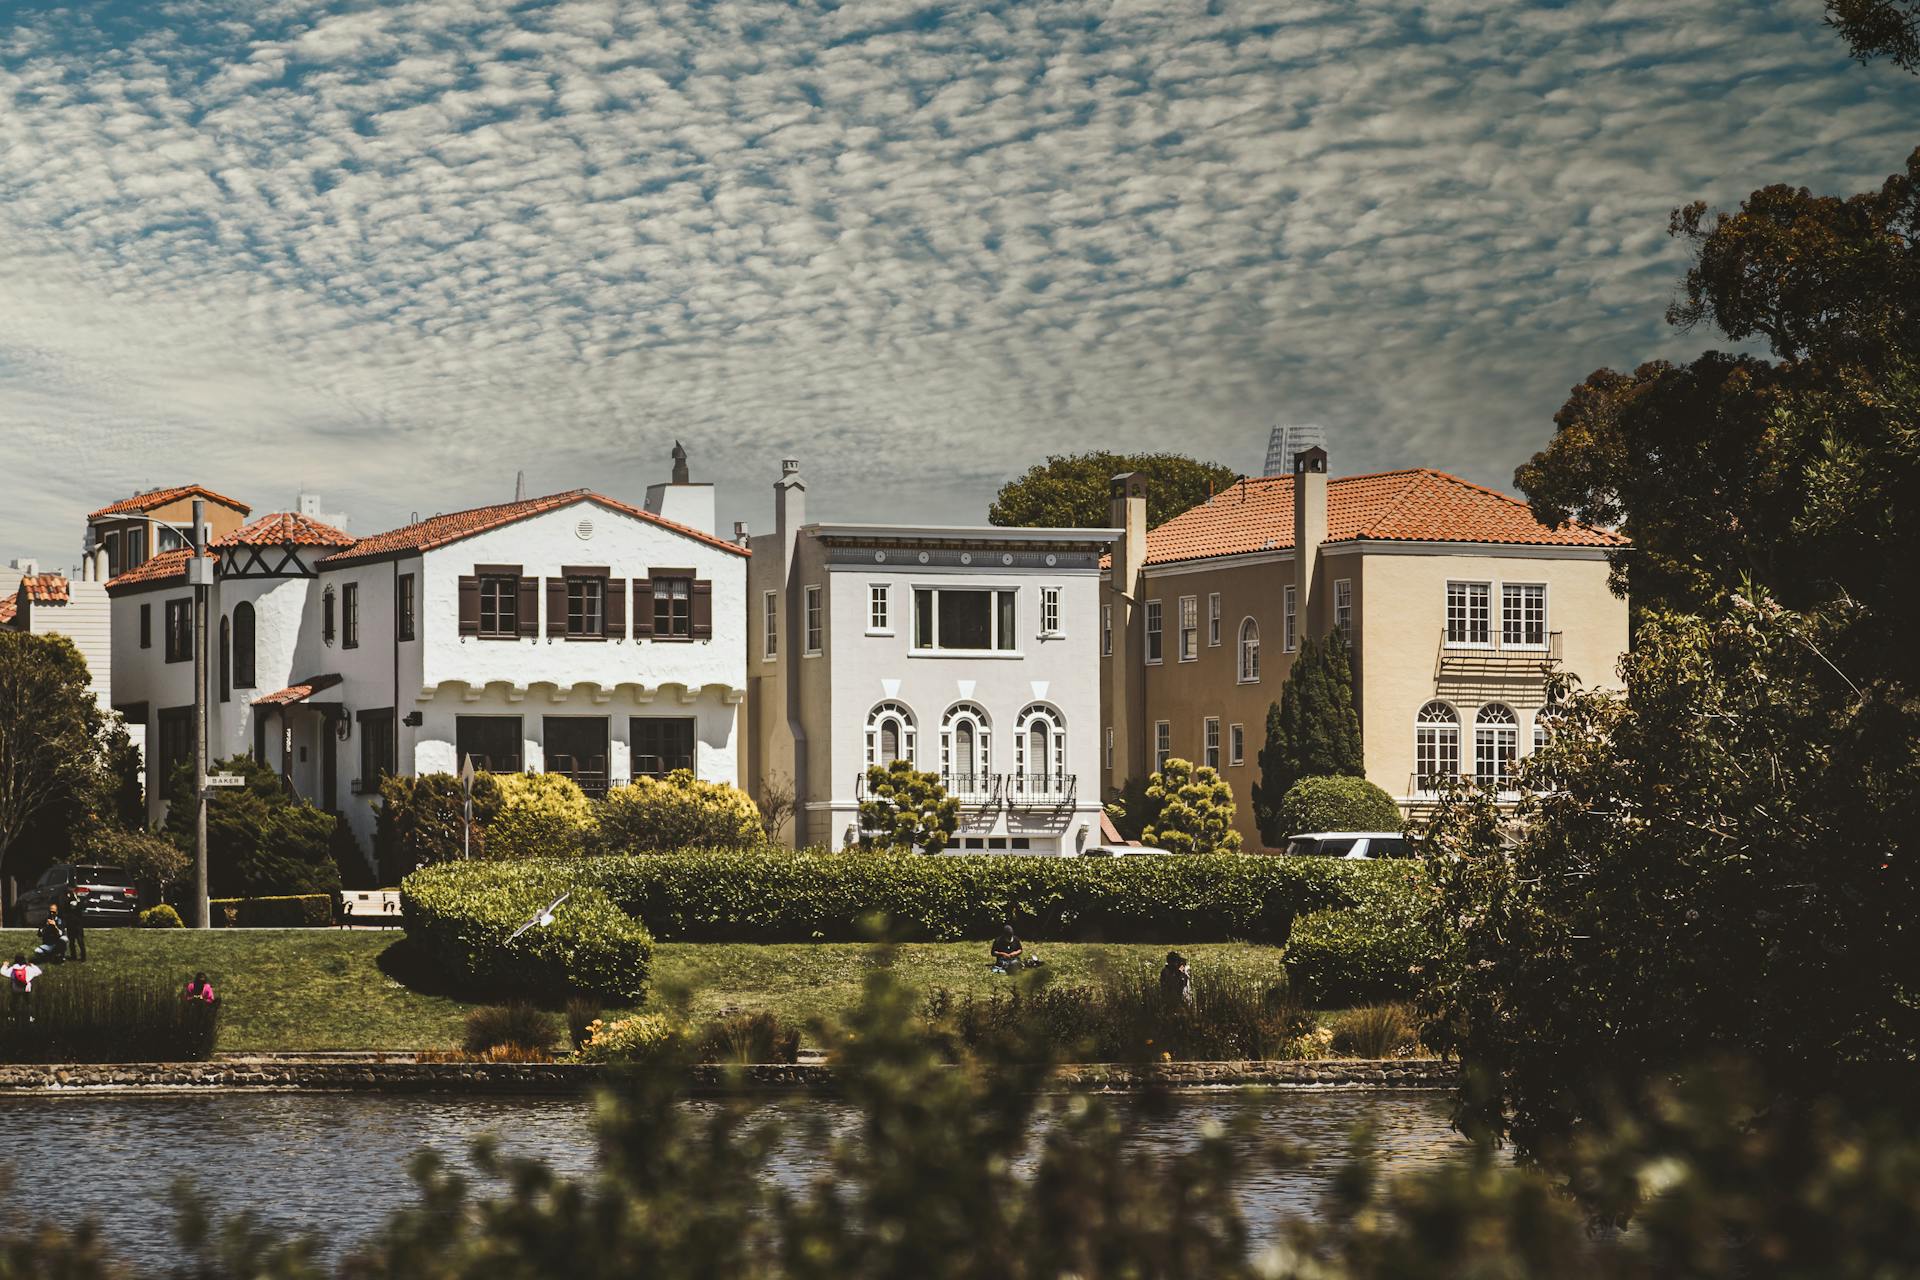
[1374, 949]
[294, 911]
[461, 914]
[1337, 803]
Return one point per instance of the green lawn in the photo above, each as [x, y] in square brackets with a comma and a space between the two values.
[290, 990]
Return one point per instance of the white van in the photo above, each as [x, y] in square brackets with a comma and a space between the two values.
[1350, 844]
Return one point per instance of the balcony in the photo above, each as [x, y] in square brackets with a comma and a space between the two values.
[1039, 790]
[988, 791]
[973, 790]
[1493, 669]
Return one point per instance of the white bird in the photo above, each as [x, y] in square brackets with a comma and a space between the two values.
[541, 918]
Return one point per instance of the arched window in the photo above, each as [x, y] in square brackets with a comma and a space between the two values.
[1496, 743]
[1436, 746]
[243, 646]
[1249, 652]
[1543, 725]
[1041, 743]
[226, 663]
[966, 746]
[890, 734]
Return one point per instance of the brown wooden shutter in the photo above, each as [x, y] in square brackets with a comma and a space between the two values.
[529, 606]
[556, 606]
[469, 606]
[616, 604]
[642, 608]
[702, 609]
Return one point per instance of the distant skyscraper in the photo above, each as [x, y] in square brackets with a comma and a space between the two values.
[1288, 440]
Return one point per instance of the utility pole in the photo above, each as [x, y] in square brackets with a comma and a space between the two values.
[200, 576]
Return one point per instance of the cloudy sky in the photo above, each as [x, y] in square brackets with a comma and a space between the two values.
[395, 252]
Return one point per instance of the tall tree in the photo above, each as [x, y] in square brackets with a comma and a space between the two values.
[1313, 731]
[1071, 491]
[52, 739]
[1887, 29]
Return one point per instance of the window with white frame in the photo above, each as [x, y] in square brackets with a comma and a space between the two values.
[769, 626]
[1290, 619]
[1469, 607]
[1106, 631]
[966, 746]
[1153, 631]
[1343, 606]
[816, 622]
[1213, 620]
[1162, 744]
[1436, 746]
[1496, 744]
[1210, 741]
[879, 619]
[969, 619]
[890, 734]
[1189, 628]
[1236, 744]
[1040, 746]
[1249, 651]
[1049, 611]
[1523, 615]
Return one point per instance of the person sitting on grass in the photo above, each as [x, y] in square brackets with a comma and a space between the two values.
[1008, 955]
[199, 990]
[19, 978]
[53, 940]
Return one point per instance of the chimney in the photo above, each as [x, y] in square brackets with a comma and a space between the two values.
[1309, 531]
[682, 501]
[1123, 695]
[789, 507]
[1127, 512]
[740, 533]
[789, 514]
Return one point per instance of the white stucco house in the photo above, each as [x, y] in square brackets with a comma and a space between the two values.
[572, 633]
[971, 652]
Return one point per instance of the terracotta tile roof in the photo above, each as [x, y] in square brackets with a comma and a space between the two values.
[1417, 505]
[161, 497]
[9, 605]
[161, 568]
[283, 528]
[297, 692]
[439, 531]
[45, 588]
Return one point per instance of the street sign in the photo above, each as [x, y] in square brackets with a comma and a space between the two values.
[226, 780]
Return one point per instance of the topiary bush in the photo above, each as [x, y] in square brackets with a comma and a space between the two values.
[1337, 803]
[461, 914]
[161, 916]
[678, 811]
[540, 815]
[1375, 949]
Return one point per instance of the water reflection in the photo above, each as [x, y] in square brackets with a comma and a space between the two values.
[336, 1163]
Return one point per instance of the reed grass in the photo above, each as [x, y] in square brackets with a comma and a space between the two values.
[77, 1017]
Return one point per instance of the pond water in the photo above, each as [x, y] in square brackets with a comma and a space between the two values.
[335, 1164]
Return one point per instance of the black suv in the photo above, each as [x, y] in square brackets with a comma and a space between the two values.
[108, 892]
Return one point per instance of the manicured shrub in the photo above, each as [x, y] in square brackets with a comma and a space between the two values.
[516, 1025]
[462, 914]
[295, 911]
[1194, 810]
[747, 1038]
[161, 916]
[1336, 803]
[645, 1038]
[1375, 949]
[422, 820]
[541, 815]
[128, 1018]
[780, 896]
[678, 811]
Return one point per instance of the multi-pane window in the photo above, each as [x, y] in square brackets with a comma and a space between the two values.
[1106, 631]
[1496, 744]
[964, 618]
[1250, 651]
[403, 604]
[661, 744]
[1153, 631]
[1289, 619]
[243, 647]
[1469, 607]
[326, 616]
[1213, 620]
[1343, 605]
[1210, 742]
[146, 626]
[673, 608]
[376, 748]
[890, 734]
[1236, 744]
[1523, 615]
[499, 606]
[1050, 611]
[816, 621]
[770, 625]
[493, 743]
[350, 616]
[179, 634]
[1436, 746]
[879, 618]
[1162, 744]
[577, 747]
[1189, 628]
[586, 606]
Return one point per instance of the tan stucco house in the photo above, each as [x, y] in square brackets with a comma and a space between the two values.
[1455, 600]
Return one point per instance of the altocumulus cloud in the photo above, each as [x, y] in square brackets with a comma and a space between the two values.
[397, 251]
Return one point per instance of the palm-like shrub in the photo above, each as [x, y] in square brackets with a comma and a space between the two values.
[541, 815]
[1195, 810]
[678, 811]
